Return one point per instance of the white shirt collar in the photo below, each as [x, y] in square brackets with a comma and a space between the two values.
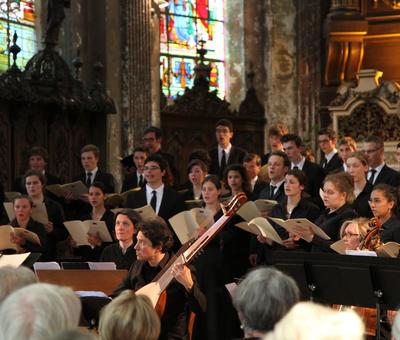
[300, 164]
[330, 155]
[159, 194]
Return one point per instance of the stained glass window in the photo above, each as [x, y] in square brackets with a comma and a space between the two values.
[183, 24]
[17, 16]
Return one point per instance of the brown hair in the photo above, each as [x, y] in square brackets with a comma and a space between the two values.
[91, 148]
[360, 156]
[343, 182]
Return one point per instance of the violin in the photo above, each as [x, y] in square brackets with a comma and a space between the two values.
[372, 240]
[155, 290]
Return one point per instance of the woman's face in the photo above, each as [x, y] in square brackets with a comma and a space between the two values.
[124, 228]
[356, 168]
[96, 197]
[235, 181]
[292, 186]
[381, 207]
[22, 208]
[210, 193]
[196, 175]
[33, 186]
[351, 237]
[333, 198]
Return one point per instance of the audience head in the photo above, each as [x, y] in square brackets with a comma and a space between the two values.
[34, 182]
[127, 221]
[152, 138]
[139, 155]
[224, 132]
[97, 194]
[357, 166]
[383, 201]
[197, 171]
[292, 146]
[14, 278]
[396, 327]
[153, 238]
[252, 164]
[308, 320]
[352, 232]
[373, 149]
[338, 190]
[156, 170]
[129, 316]
[346, 145]
[263, 298]
[295, 182]
[211, 189]
[275, 134]
[201, 154]
[278, 166]
[327, 140]
[38, 158]
[90, 156]
[235, 177]
[37, 311]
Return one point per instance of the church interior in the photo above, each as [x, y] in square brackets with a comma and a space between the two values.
[90, 77]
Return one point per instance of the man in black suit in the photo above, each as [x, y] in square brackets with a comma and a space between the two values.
[379, 172]
[315, 175]
[152, 138]
[331, 162]
[225, 153]
[165, 201]
[252, 164]
[37, 160]
[136, 179]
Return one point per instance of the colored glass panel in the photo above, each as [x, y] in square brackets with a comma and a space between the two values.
[183, 24]
[18, 17]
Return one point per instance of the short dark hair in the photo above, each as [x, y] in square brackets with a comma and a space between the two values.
[243, 173]
[225, 122]
[286, 161]
[133, 216]
[390, 193]
[278, 130]
[39, 175]
[374, 139]
[201, 154]
[99, 185]
[140, 148]
[328, 132]
[252, 156]
[91, 148]
[300, 175]
[199, 163]
[213, 179]
[158, 233]
[157, 131]
[38, 151]
[161, 161]
[290, 137]
[25, 197]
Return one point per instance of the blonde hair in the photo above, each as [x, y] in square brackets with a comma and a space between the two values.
[129, 316]
[343, 182]
[308, 320]
[360, 156]
[362, 226]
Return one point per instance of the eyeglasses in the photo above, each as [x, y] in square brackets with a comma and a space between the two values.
[368, 152]
[151, 167]
[348, 234]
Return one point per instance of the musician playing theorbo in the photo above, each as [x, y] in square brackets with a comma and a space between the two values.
[154, 241]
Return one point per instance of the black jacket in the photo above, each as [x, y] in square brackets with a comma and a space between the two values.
[236, 155]
[335, 164]
[103, 177]
[388, 176]
[179, 301]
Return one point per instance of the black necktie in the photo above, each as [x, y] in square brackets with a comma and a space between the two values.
[223, 163]
[271, 191]
[324, 163]
[372, 177]
[295, 167]
[153, 201]
[88, 179]
[141, 180]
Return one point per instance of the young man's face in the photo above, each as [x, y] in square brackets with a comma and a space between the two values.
[151, 142]
[37, 162]
[139, 158]
[89, 160]
[275, 143]
[326, 144]
[292, 151]
[252, 168]
[276, 168]
[223, 135]
[153, 173]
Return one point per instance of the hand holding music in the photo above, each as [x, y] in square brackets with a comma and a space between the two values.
[94, 240]
[306, 234]
[264, 240]
[49, 227]
[183, 275]
[290, 243]
[14, 238]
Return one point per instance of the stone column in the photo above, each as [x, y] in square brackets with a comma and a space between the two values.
[136, 73]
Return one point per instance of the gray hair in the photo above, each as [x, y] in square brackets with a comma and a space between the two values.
[263, 298]
[73, 334]
[37, 311]
[14, 278]
[396, 327]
